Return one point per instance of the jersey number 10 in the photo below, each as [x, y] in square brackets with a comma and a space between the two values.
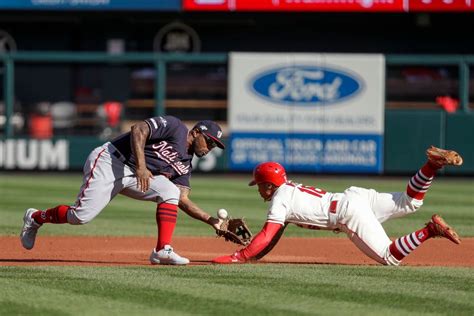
[310, 190]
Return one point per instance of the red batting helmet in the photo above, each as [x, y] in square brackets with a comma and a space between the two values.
[269, 171]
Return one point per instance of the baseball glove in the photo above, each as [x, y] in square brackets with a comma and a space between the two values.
[235, 230]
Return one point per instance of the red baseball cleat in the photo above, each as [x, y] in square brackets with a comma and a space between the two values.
[439, 228]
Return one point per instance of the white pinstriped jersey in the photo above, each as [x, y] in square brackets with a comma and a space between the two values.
[307, 207]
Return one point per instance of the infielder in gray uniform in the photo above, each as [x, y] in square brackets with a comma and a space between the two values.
[152, 162]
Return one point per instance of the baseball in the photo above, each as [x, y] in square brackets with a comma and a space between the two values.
[222, 213]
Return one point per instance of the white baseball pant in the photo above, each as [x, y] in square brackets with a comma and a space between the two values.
[361, 212]
[105, 175]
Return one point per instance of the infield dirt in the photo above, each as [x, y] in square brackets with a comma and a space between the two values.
[132, 251]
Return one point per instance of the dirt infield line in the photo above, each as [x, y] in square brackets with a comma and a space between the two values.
[134, 251]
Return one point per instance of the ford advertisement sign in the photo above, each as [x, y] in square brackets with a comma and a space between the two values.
[305, 85]
[311, 112]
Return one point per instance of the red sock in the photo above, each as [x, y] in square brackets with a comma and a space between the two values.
[166, 216]
[429, 169]
[55, 215]
[403, 246]
[421, 181]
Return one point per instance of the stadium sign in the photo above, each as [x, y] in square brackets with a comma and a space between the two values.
[71, 153]
[305, 85]
[177, 37]
[295, 5]
[23, 154]
[330, 5]
[154, 5]
[310, 112]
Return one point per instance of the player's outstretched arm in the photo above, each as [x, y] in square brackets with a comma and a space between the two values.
[193, 210]
[275, 239]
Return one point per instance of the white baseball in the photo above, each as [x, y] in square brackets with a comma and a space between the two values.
[222, 213]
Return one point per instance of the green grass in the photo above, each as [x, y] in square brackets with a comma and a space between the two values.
[453, 198]
[236, 290]
[254, 289]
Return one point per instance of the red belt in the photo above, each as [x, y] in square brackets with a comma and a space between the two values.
[333, 206]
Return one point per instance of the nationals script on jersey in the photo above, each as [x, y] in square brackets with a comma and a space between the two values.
[165, 150]
[305, 206]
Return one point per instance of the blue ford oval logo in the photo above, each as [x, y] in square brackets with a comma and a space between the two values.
[305, 85]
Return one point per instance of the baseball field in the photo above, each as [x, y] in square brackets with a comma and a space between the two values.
[102, 268]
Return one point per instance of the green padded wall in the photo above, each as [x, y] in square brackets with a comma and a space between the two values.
[460, 136]
[407, 135]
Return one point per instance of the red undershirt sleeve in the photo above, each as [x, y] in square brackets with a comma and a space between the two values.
[268, 236]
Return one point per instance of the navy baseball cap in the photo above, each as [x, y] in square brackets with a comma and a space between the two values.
[212, 130]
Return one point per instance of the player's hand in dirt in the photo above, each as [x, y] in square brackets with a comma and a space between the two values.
[236, 257]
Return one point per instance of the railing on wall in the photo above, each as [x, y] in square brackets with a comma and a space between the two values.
[427, 126]
[462, 62]
[160, 62]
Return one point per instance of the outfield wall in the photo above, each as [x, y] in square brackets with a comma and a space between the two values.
[407, 135]
[409, 132]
